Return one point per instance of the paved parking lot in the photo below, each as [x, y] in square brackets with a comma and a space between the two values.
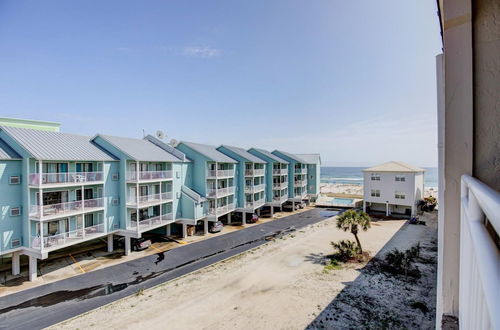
[47, 304]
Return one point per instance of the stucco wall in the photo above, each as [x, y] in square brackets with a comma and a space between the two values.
[486, 59]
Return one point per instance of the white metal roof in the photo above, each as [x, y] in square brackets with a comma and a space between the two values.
[209, 151]
[245, 154]
[46, 145]
[310, 158]
[394, 166]
[139, 149]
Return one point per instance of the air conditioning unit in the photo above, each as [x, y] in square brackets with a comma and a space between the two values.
[15, 179]
[15, 243]
[15, 211]
[115, 201]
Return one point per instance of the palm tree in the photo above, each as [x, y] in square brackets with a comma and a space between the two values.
[354, 221]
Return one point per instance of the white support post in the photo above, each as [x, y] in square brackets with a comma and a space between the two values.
[110, 243]
[386, 209]
[229, 218]
[33, 271]
[138, 198]
[272, 210]
[293, 206]
[168, 230]
[127, 245]
[184, 230]
[16, 265]
[205, 227]
[243, 218]
[364, 206]
[258, 212]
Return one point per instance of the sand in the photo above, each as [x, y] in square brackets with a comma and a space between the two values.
[280, 285]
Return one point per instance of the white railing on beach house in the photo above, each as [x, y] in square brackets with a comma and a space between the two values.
[154, 221]
[63, 209]
[67, 238]
[35, 179]
[148, 175]
[213, 192]
[220, 173]
[150, 199]
[221, 209]
[479, 300]
[281, 171]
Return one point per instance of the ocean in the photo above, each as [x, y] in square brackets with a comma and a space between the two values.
[354, 175]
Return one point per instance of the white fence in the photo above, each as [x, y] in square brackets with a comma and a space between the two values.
[479, 256]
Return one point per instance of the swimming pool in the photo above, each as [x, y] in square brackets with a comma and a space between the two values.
[341, 201]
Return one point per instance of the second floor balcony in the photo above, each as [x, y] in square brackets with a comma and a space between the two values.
[213, 174]
[152, 222]
[149, 200]
[65, 178]
[254, 172]
[280, 171]
[280, 199]
[255, 188]
[135, 176]
[51, 242]
[255, 204]
[280, 185]
[220, 210]
[220, 192]
[301, 171]
[53, 211]
[300, 183]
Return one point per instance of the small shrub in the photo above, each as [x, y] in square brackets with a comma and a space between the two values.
[398, 262]
[346, 250]
[332, 265]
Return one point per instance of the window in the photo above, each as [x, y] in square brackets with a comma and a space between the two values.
[375, 193]
[16, 242]
[399, 195]
[375, 177]
[15, 211]
[15, 179]
[400, 178]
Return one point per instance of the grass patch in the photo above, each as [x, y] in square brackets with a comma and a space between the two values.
[332, 264]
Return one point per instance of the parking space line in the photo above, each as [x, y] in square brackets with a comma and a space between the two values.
[77, 263]
[157, 249]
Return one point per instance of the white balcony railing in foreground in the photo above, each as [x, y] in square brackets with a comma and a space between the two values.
[212, 192]
[220, 173]
[280, 171]
[63, 209]
[255, 204]
[148, 175]
[280, 199]
[221, 209]
[65, 178]
[152, 222]
[479, 299]
[150, 199]
[67, 238]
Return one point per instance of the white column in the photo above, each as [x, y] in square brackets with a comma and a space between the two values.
[168, 230]
[229, 218]
[205, 226]
[33, 271]
[127, 245]
[364, 206]
[387, 208]
[243, 218]
[413, 213]
[293, 206]
[110, 243]
[272, 211]
[16, 266]
[184, 230]
[258, 212]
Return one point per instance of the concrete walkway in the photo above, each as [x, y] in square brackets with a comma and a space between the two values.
[48, 304]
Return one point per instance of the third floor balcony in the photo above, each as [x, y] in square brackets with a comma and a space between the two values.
[220, 192]
[65, 178]
[213, 174]
[134, 176]
[54, 211]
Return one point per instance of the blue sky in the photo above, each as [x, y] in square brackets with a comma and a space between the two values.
[352, 80]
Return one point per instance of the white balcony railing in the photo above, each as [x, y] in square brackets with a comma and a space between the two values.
[280, 185]
[300, 183]
[280, 199]
[221, 209]
[280, 171]
[220, 173]
[67, 238]
[301, 171]
[148, 175]
[150, 199]
[479, 298]
[62, 209]
[212, 192]
[254, 172]
[65, 178]
[255, 204]
[255, 188]
[155, 221]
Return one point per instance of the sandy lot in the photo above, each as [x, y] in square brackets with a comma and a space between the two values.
[281, 285]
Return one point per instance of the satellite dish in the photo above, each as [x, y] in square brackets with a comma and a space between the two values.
[174, 142]
[160, 134]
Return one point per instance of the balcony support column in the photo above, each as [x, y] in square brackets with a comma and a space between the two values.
[127, 245]
[110, 243]
[258, 211]
[184, 230]
[16, 265]
[205, 227]
[168, 230]
[33, 268]
[243, 218]
[364, 206]
[272, 210]
[229, 218]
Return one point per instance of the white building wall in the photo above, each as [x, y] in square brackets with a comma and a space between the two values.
[388, 186]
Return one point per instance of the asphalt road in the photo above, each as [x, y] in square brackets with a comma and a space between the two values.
[52, 303]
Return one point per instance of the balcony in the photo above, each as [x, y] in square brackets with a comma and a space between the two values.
[255, 188]
[219, 174]
[54, 211]
[68, 238]
[479, 256]
[280, 199]
[150, 200]
[153, 222]
[220, 192]
[280, 171]
[134, 176]
[254, 172]
[300, 183]
[280, 185]
[255, 204]
[300, 195]
[67, 178]
[220, 210]
[301, 171]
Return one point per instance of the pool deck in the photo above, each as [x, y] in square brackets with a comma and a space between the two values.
[326, 201]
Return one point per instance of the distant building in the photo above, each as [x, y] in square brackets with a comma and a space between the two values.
[393, 188]
[313, 162]
[32, 124]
